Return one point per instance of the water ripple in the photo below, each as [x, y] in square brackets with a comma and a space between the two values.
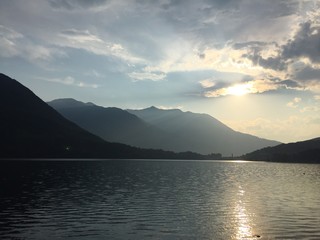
[159, 200]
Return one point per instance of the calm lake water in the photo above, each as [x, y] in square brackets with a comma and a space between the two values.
[130, 199]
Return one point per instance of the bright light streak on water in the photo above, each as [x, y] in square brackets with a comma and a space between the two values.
[243, 219]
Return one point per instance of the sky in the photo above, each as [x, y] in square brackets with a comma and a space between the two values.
[254, 65]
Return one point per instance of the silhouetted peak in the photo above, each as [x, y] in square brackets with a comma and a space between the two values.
[90, 104]
[157, 109]
[152, 108]
[68, 103]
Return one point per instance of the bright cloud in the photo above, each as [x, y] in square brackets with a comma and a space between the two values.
[294, 102]
[140, 76]
[207, 83]
[255, 86]
[85, 40]
[8, 39]
[70, 81]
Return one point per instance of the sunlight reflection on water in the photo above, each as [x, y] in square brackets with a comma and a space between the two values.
[243, 220]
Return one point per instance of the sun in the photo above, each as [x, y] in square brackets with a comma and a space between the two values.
[239, 89]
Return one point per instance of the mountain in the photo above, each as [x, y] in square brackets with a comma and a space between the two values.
[111, 124]
[171, 130]
[305, 151]
[32, 129]
[68, 103]
[200, 132]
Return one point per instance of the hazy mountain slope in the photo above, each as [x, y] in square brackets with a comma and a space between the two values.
[32, 129]
[172, 130]
[111, 124]
[305, 151]
[200, 132]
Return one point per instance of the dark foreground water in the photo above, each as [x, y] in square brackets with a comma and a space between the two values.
[159, 200]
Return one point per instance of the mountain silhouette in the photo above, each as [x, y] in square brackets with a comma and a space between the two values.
[171, 130]
[112, 124]
[304, 151]
[201, 132]
[32, 129]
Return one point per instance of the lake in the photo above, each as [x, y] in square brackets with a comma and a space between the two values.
[141, 199]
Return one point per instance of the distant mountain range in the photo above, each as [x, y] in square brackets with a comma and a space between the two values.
[200, 132]
[111, 124]
[304, 151]
[31, 129]
[171, 130]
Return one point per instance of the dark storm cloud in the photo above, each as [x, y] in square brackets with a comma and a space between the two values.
[274, 63]
[252, 45]
[254, 54]
[308, 73]
[306, 43]
[73, 4]
[289, 84]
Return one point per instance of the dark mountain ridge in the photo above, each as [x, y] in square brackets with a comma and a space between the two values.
[111, 124]
[32, 129]
[304, 151]
[68, 103]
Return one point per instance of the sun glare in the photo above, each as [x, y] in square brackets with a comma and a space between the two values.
[239, 89]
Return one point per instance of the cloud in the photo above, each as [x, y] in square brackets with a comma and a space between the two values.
[250, 87]
[8, 40]
[308, 77]
[84, 39]
[94, 73]
[156, 38]
[237, 90]
[305, 43]
[15, 44]
[207, 83]
[294, 102]
[154, 76]
[298, 58]
[75, 4]
[289, 84]
[70, 81]
[80, 36]
[169, 108]
[274, 63]
[308, 73]
[310, 109]
[287, 129]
